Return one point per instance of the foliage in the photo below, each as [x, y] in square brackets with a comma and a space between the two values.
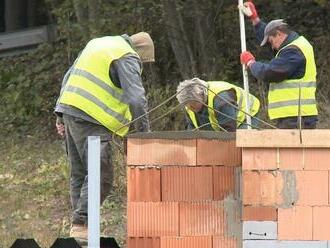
[30, 83]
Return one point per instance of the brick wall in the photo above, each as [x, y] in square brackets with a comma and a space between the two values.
[285, 189]
[183, 190]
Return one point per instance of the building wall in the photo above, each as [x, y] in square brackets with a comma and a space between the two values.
[260, 189]
[183, 190]
[285, 189]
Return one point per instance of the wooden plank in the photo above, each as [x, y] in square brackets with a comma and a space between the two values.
[316, 137]
[283, 138]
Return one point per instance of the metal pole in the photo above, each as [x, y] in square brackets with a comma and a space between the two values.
[244, 69]
[94, 152]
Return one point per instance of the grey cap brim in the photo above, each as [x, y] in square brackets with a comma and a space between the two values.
[264, 41]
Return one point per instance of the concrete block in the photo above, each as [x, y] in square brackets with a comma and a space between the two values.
[284, 244]
[260, 230]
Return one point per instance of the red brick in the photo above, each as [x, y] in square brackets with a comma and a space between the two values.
[223, 182]
[262, 188]
[187, 183]
[270, 188]
[312, 187]
[143, 243]
[321, 220]
[225, 242]
[259, 158]
[152, 219]
[218, 152]
[161, 152]
[186, 242]
[259, 213]
[201, 219]
[291, 158]
[143, 184]
[317, 159]
[251, 188]
[295, 223]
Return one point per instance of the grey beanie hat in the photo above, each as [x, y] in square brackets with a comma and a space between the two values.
[144, 46]
[270, 27]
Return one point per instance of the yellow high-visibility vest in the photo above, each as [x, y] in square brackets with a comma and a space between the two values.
[216, 87]
[283, 97]
[90, 89]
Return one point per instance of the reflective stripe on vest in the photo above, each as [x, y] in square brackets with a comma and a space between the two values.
[97, 102]
[283, 97]
[90, 89]
[216, 87]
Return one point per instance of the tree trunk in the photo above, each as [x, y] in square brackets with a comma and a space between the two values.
[178, 39]
[81, 11]
[204, 36]
[93, 15]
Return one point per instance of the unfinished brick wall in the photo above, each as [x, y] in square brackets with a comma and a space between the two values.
[285, 189]
[183, 190]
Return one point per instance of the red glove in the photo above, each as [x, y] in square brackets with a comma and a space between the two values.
[252, 14]
[247, 58]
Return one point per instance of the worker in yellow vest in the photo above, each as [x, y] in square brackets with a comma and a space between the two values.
[101, 93]
[216, 105]
[291, 74]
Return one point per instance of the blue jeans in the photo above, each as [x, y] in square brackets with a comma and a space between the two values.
[307, 122]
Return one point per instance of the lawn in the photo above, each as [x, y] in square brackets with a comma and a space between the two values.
[35, 202]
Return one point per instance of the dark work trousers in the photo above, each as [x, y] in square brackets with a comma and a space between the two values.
[254, 122]
[77, 132]
[307, 122]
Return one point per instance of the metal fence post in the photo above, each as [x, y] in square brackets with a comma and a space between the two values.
[94, 153]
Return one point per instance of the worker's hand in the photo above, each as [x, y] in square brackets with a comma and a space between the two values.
[60, 128]
[247, 58]
[249, 10]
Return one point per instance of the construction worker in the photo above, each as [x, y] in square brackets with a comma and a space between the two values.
[215, 105]
[101, 93]
[291, 74]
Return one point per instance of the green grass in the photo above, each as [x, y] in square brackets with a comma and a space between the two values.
[34, 193]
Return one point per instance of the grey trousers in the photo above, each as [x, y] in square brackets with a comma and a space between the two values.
[77, 132]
